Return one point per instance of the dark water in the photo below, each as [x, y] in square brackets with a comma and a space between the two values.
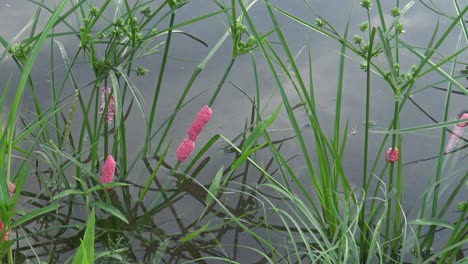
[232, 109]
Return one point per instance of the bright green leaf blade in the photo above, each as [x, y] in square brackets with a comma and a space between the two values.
[108, 185]
[85, 253]
[214, 187]
[34, 214]
[153, 174]
[244, 156]
[260, 129]
[42, 119]
[110, 209]
[66, 193]
[420, 128]
[160, 252]
[433, 221]
[195, 233]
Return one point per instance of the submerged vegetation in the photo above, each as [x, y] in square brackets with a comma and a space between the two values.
[94, 173]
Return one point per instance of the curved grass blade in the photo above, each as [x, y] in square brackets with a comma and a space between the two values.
[85, 253]
[110, 209]
[214, 186]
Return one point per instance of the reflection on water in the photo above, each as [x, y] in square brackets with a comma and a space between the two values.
[178, 213]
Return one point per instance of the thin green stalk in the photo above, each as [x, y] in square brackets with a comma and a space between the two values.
[257, 86]
[362, 222]
[84, 129]
[391, 186]
[458, 234]
[339, 87]
[221, 82]
[53, 88]
[158, 86]
[381, 16]
[311, 80]
[396, 140]
[440, 160]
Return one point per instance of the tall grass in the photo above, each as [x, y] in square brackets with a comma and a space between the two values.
[257, 202]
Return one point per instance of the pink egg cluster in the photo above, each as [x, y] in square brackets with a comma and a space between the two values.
[7, 234]
[105, 93]
[457, 134]
[11, 189]
[463, 116]
[108, 171]
[188, 144]
[392, 155]
[203, 117]
[185, 148]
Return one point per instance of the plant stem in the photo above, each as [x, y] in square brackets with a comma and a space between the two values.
[158, 87]
[221, 82]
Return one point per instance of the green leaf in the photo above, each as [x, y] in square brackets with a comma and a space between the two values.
[41, 120]
[161, 250]
[260, 129]
[66, 193]
[244, 156]
[106, 186]
[421, 128]
[112, 253]
[34, 214]
[110, 209]
[6, 87]
[136, 93]
[433, 221]
[214, 187]
[85, 253]
[195, 233]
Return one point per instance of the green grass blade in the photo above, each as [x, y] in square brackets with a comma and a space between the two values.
[85, 253]
[214, 186]
[34, 214]
[110, 209]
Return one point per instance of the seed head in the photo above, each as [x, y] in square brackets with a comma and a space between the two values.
[319, 22]
[366, 4]
[357, 39]
[396, 12]
[400, 29]
[364, 26]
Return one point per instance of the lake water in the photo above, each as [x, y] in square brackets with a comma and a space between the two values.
[232, 108]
